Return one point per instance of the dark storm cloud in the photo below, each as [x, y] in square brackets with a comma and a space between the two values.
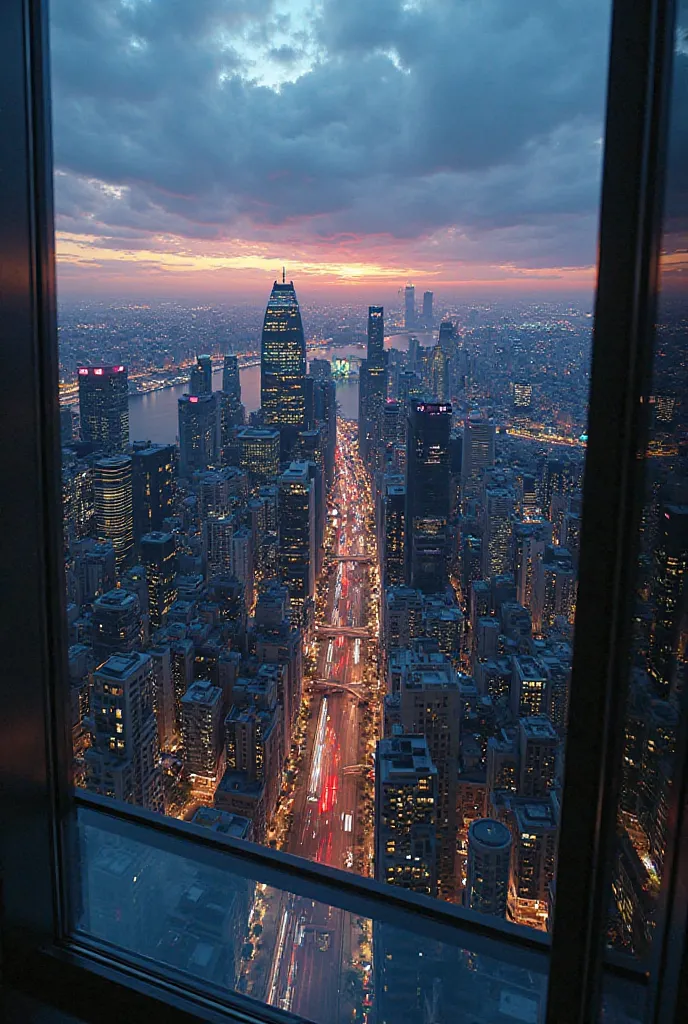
[413, 119]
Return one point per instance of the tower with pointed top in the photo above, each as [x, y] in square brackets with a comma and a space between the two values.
[283, 364]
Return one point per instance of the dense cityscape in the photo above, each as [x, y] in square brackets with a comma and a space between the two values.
[350, 638]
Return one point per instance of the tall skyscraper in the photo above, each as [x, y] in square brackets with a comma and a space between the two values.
[499, 507]
[198, 433]
[159, 556]
[116, 624]
[232, 412]
[231, 380]
[201, 377]
[153, 486]
[393, 535]
[478, 453]
[114, 513]
[409, 306]
[668, 582]
[427, 494]
[122, 761]
[487, 869]
[376, 336]
[427, 308]
[104, 407]
[406, 814]
[296, 524]
[283, 364]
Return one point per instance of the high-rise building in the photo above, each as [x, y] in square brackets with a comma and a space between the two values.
[478, 453]
[283, 364]
[104, 407]
[231, 379]
[523, 400]
[668, 582]
[219, 533]
[116, 624]
[159, 556]
[113, 500]
[499, 507]
[376, 336]
[427, 309]
[393, 535]
[409, 306]
[199, 431]
[201, 377]
[259, 453]
[321, 369]
[487, 867]
[538, 743]
[296, 531]
[122, 761]
[202, 739]
[406, 814]
[529, 688]
[232, 412]
[430, 706]
[153, 487]
[427, 494]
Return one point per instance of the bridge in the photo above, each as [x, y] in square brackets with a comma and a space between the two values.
[333, 684]
[355, 632]
[364, 559]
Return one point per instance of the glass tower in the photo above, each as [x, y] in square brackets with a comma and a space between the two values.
[104, 407]
[283, 364]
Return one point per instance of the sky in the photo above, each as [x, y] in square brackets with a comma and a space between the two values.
[201, 144]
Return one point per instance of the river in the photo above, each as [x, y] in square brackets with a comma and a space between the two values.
[154, 417]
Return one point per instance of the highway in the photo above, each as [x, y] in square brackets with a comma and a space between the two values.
[317, 945]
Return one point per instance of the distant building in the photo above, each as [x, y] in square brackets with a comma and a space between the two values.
[114, 512]
[487, 869]
[427, 494]
[201, 378]
[104, 407]
[427, 309]
[409, 306]
[478, 453]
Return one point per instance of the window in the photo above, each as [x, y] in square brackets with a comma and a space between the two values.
[317, 734]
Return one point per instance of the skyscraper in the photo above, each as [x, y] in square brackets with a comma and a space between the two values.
[393, 535]
[198, 433]
[409, 306]
[104, 407]
[406, 814]
[231, 381]
[487, 871]
[283, 364]
[153, 486]
[427, 494]
[113, 498]
[376, 336]
[116, 624]
[201, 377]
[122, 761]
[259, 452]
[202, 737]
[232, 412]
[478, 453]
[427, 309]
[297, 537]
[158, 555]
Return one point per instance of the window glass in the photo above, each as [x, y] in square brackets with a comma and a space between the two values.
[657, 681]
[326, 276]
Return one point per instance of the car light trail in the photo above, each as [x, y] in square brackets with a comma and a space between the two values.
[315, 777]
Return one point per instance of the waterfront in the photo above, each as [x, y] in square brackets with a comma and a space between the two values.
[153, 416]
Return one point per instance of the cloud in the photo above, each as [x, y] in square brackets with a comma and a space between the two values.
[469, 128]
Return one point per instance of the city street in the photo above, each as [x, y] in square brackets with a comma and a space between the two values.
[317, 945]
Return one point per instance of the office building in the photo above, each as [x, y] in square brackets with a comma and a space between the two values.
[376, 336]
[523, 400]
[283, 365]
[116, 624]
[104, 407]
[427, 309]
[296, 537]
[122, 761]
[409, 306]
[163, 695]
[430, 706]
[529, 688]
[406, 814]
[534, 826]
[427, 494]
[159, 557]
[670, 565]
[487, 867]
[321, 369]
[113, 501]
[219, 533]
[499, 507]
[478, 453]
[153, 471]
[259, 453]
[393, 535]
[201, 378]
[538, 746]
[199, 433]
[201, 708]
[231, 379]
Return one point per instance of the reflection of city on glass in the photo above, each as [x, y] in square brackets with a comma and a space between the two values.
[322, 522]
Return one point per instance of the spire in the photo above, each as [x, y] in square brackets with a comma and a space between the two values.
[284, 275]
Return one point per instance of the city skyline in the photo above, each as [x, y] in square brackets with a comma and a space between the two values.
[211, 142]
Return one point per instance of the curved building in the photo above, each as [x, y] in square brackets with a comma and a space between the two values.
[487, 870]
[283, 364]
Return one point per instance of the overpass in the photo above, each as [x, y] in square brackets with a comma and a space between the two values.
[355, 632]
[333, 684]
[364, 559]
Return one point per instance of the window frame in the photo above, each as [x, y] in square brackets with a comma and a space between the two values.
[38, 805]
